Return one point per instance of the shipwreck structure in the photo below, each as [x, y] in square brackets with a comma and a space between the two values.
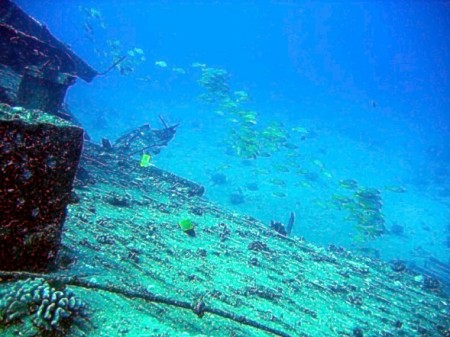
[39, 152]
[39, 156]
[124, 248]
[36, 69]
[40, 144]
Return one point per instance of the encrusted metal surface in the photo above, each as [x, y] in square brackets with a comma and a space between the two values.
[240, 277]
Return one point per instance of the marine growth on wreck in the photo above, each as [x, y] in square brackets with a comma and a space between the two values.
[209, 169]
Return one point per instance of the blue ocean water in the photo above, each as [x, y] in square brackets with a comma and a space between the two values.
[353, 95]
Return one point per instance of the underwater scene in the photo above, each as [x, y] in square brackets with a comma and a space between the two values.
[224, 168]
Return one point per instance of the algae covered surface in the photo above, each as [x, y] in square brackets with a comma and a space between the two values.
[125, 256]
[333, 115]
[30, 116]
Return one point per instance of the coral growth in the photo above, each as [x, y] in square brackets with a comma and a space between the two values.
[50, 310]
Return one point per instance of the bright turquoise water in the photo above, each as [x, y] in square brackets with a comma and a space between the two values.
[359, 91]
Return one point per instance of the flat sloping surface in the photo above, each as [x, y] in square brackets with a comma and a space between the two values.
[124, 235]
